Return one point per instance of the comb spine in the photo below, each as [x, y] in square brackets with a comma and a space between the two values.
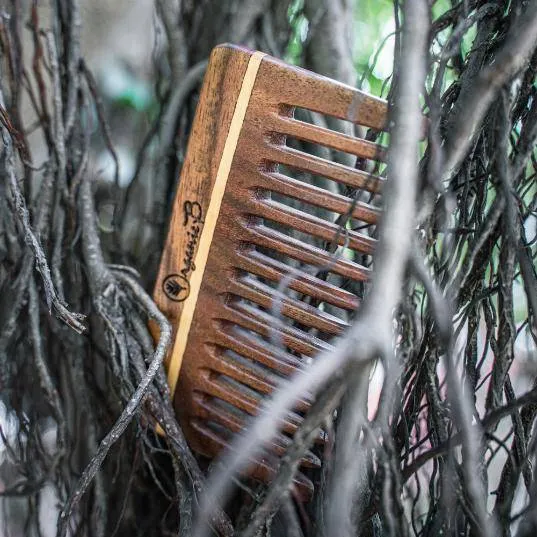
[211, 218]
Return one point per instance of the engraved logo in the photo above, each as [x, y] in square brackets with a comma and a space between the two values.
[193, 218]
[176, 287]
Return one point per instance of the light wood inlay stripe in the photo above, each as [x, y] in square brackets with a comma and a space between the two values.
[211, 218]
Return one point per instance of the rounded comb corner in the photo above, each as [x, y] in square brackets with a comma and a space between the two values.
[232, 48]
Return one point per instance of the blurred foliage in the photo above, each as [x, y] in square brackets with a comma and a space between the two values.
[373, 45]
[373, 41]
[299, 32]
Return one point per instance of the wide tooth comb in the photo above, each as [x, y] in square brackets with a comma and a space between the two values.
[244, 219]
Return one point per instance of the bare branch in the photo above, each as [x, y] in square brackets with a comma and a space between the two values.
[513, 56]
[129, 411]
[74, 320]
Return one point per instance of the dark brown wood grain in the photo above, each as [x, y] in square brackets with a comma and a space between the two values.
[238, 347]
[217, 102]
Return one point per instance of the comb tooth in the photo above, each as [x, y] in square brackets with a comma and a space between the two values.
[312, 225]
[263, 295]
[254, 319]
[258, 263]
[325, 168]
[325, 96]
[260, 384]
[261, 235]
[319, 197]
[246, 402]
[319, 135]
[266, 354]
[264, 385]
[237, 398]
[261, 470]
[209, 411]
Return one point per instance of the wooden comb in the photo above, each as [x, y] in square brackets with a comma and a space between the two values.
[241, 224]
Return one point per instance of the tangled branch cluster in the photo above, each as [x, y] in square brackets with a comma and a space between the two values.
[74, 382]
[451, 448]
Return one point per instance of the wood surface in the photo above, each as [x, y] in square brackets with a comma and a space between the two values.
[234, 235]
